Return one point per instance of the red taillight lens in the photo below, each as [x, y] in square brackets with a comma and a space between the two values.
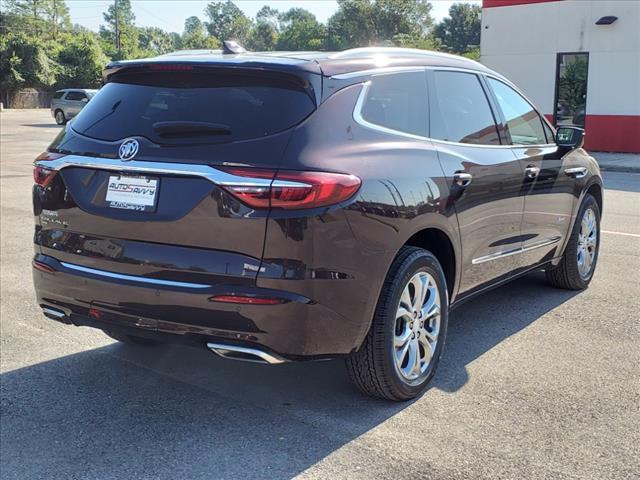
[246, 300]
[293, 189]
[43, 267]
[41, 175]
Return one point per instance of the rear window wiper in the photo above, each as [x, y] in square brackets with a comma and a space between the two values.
[181, 129]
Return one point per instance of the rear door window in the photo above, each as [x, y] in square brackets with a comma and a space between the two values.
[76, 96]
[461, 112]
[399, 102]
[523, 122]
[186, 107]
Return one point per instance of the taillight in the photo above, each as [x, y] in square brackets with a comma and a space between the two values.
[292, 189]
[42, 175]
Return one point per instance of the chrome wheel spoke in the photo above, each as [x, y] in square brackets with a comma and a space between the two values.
[399, 341]
[404, 313]
[405, 299]
[413, 365]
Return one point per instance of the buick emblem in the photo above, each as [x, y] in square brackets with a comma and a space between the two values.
[128, 149]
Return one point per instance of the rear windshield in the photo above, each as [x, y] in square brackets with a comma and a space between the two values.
[58, 94]
[188, 107]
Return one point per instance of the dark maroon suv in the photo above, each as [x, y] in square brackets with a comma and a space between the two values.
[281, 207]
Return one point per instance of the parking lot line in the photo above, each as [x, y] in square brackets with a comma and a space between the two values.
[622, 233]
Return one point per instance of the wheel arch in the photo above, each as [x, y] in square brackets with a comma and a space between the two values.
[595, 188]
[439, 243]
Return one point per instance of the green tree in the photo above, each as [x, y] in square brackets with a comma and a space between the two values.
[194, 36]
[81, 62]
[460, 31]
[300, 30]
[362, 23]
[24, 63]
[36, 16]
[265, 32]
[120, 17]
[155, 41]
[227, 22]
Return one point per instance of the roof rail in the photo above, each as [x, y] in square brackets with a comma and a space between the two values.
[178, 53]
[388, 51]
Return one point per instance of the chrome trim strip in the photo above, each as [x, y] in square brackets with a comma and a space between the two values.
[357, 117]
[515, 251]
[261, 356]
[207, 172]
[54, 313]
[132, 278]
[376, 71]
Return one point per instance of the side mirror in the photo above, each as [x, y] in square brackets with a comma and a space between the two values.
[570, 138]
[84, 100]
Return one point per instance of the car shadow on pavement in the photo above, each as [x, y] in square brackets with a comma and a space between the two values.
[175, 412]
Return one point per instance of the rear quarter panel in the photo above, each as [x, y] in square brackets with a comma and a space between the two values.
[403, 191]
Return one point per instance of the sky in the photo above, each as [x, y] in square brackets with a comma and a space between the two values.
[171, 14]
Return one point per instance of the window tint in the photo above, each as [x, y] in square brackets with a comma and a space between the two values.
[58, 94]
[75, 96]
[462, 113]
[178, 108]
[523, 122]
[398, 102]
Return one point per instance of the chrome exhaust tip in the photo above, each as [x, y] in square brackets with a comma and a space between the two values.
[245, 354]
[55, 314]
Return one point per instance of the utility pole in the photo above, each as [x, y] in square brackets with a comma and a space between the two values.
[117, 39]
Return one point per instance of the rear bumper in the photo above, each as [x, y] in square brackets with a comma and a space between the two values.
[183, 312]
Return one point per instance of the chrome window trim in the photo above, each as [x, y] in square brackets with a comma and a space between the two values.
[132, 278]
[515, 251]
[207, 172]
[374, 72]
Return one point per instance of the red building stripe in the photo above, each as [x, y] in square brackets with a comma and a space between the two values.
[613, 133]
[510, 3]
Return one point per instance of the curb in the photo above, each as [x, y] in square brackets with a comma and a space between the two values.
[619, 168]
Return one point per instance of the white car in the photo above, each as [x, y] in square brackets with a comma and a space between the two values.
[67, 103]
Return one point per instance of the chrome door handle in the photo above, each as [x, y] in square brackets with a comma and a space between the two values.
[532, 171]
[462, 179]
[576, 172]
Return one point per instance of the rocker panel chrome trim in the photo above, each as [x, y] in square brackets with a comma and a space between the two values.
[515, 251]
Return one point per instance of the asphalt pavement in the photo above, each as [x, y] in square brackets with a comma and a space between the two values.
[534, 383]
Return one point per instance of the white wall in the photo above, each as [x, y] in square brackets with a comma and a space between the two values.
[521, 42]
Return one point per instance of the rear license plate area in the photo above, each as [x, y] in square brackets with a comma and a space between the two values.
[128, 192]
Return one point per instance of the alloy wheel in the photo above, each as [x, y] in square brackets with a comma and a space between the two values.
[417, 327]
[587, 243]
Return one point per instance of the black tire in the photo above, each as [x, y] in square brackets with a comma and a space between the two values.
[372, 368]
[132, 339]
[566, 274]
[60, 117]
